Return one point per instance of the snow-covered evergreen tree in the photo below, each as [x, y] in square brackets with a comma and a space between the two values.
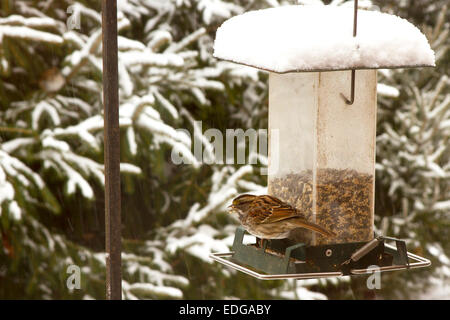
[413, 163]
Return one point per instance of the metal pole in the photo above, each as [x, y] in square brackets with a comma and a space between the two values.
[112, 152]
[355, 17]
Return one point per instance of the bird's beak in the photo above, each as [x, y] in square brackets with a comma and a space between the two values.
[230, 207]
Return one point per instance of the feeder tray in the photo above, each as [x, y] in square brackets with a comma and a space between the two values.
[279, 259]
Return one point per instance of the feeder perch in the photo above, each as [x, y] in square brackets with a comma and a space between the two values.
[322, 130]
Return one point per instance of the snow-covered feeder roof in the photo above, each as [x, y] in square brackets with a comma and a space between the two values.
[320, 38]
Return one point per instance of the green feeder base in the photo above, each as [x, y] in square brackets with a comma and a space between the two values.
[279, 259]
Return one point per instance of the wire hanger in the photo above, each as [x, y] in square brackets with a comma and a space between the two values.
[352, 88]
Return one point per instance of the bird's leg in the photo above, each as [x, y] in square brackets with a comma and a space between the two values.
[262, 244]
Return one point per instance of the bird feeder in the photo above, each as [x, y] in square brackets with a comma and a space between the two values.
[322, 63]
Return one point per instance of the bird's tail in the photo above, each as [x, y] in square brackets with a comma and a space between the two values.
[302, 223]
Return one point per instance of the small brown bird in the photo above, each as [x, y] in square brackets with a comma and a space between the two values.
[52, 80]
[267, 217]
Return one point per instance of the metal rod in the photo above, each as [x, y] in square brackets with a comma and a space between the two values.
[419, 262]
[112, 151]
[355, 17]
[220, 257]
[352, 88]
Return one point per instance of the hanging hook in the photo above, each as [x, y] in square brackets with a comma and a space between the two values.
[352, 88]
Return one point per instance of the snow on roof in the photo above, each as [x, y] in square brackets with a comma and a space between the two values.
[315, 38]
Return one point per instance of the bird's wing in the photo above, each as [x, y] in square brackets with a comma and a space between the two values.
[278, 209]
[302, 223]
[282, 211]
